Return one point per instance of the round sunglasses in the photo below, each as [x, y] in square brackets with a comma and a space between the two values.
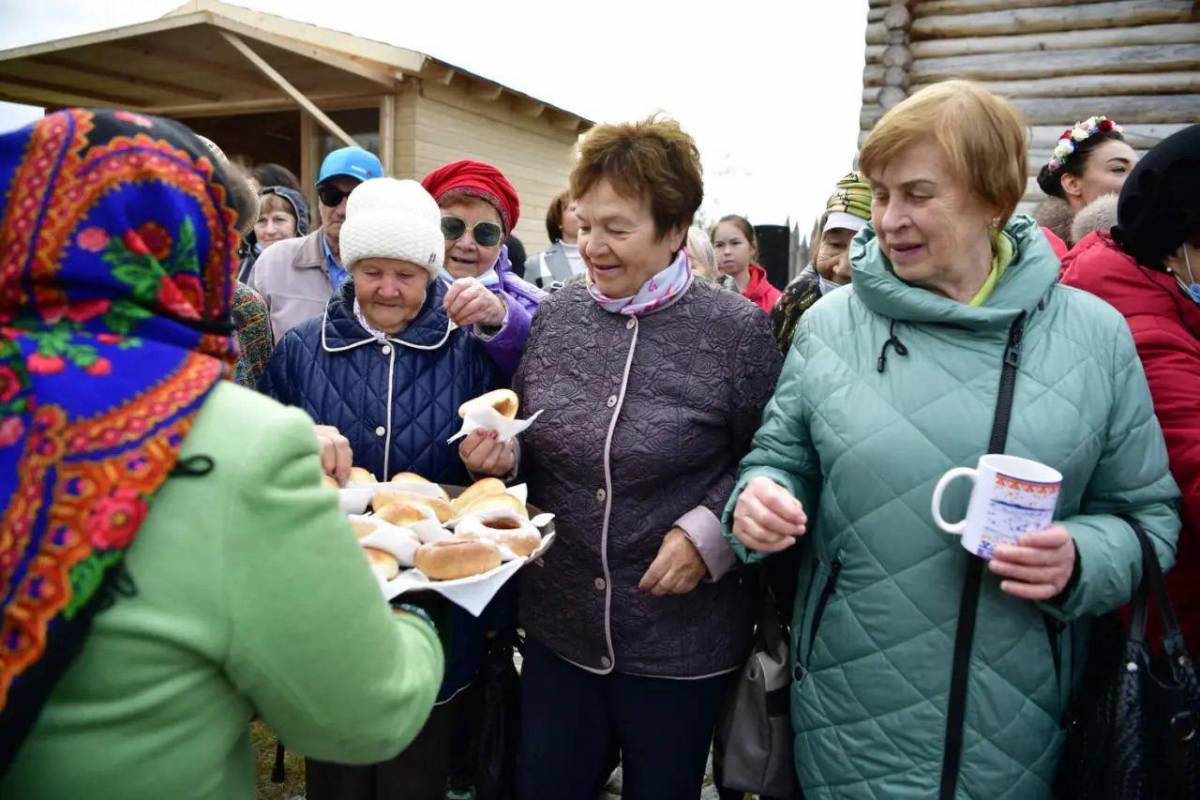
[486, 234]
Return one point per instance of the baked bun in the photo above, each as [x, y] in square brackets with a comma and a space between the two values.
[456, 558]
[383, 563]
[361, 477]
[503, 400]
[412, 477]
[517, 534]
[481, 488]
[387, 497]
[362, 528]
[331, 482]
[490, 503]
[522, 543]
[404, 514]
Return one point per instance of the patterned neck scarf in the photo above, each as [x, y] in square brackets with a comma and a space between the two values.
[658, 292]
[117, 254]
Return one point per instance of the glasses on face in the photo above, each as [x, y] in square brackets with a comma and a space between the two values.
[331, 196]
[486, 234]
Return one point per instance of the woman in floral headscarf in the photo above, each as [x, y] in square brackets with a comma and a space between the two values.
[158, 586]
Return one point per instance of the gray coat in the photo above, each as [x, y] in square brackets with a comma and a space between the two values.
[645, 420]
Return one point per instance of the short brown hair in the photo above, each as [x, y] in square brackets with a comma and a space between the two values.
[652, 158]
[554, 216]
[982, 136]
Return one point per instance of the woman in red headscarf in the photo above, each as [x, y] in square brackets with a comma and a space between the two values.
[480, 208]
[170, 564]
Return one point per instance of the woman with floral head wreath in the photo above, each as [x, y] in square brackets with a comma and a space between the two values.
[1091, 159]
[480, 208]
[170, 564]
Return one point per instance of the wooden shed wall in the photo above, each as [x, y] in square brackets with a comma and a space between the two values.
[1059, 61]
[438, 123]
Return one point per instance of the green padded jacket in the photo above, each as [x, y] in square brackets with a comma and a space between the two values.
[252, 598]
[860, 430]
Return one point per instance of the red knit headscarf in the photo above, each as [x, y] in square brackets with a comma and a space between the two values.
[476, 179]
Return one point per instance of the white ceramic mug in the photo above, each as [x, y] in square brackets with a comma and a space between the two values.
[1011, 496]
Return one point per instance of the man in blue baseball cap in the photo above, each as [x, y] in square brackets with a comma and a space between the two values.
[298, 276]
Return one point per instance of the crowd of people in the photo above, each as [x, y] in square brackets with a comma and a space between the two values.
[172, 565]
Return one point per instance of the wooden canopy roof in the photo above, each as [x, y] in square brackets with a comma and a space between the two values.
[189, 63]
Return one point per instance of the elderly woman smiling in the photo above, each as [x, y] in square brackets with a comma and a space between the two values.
[386, 367]
[479, 210]
[947, 287]
[651, 384]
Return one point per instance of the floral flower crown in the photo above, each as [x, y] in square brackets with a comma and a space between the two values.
[1071, 139]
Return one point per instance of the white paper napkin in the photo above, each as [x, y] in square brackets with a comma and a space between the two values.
[473, 593]
[489, 419]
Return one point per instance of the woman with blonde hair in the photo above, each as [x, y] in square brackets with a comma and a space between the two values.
[921, 669]
[703, 258]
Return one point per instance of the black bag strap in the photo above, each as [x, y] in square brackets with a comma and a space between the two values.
[964, 636]
[1153, 585]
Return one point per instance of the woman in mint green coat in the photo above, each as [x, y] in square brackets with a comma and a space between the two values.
[170, 563]
[889, 384]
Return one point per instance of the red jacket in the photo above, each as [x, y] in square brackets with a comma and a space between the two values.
[1166, 329]
[759, 291]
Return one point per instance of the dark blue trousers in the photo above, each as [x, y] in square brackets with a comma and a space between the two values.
[570, 717]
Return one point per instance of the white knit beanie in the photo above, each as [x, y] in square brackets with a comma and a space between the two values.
[389, 218]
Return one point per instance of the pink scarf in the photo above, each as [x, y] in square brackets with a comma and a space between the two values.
[661, 290]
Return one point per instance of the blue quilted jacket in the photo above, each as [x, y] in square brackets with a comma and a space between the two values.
[397, 401]
[885, 388]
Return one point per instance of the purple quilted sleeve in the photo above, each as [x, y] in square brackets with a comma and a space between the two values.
[506, 345]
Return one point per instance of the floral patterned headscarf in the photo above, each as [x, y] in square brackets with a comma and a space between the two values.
[117, 252]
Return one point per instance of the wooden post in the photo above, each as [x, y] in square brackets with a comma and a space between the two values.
[282, 82]
[387, 133]
[310, 164]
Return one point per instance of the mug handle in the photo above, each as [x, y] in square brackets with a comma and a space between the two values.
[943, 482]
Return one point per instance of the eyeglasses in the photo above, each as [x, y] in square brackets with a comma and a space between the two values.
[487, 234]
[331, 196]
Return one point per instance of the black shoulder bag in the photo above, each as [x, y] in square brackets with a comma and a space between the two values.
[964, 636]
[1132, 725]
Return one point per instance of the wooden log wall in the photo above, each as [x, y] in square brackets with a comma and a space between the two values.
[1059, 61]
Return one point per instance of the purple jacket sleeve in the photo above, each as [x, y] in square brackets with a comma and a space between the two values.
[507, 344]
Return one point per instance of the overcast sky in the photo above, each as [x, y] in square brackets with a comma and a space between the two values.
[770, 90]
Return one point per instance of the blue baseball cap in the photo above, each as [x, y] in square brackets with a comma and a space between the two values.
[353, 162]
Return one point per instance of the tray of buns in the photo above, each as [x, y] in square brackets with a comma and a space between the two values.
[464, 543]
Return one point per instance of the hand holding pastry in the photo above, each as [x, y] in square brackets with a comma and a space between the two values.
[336, 456]
[484, 455]
[469, 302]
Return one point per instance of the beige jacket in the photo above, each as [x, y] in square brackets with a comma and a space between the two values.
[292, 277]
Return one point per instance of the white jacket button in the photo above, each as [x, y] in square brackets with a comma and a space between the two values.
[380, 431]
[599, 583]
[601, 494]
[386, 349]
[612, 400]
[605, 662]
[631, 324]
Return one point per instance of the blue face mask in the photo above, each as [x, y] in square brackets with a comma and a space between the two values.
[827, 286]
[1193, 287]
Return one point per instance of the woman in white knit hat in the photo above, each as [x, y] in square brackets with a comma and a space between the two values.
[386, 367]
